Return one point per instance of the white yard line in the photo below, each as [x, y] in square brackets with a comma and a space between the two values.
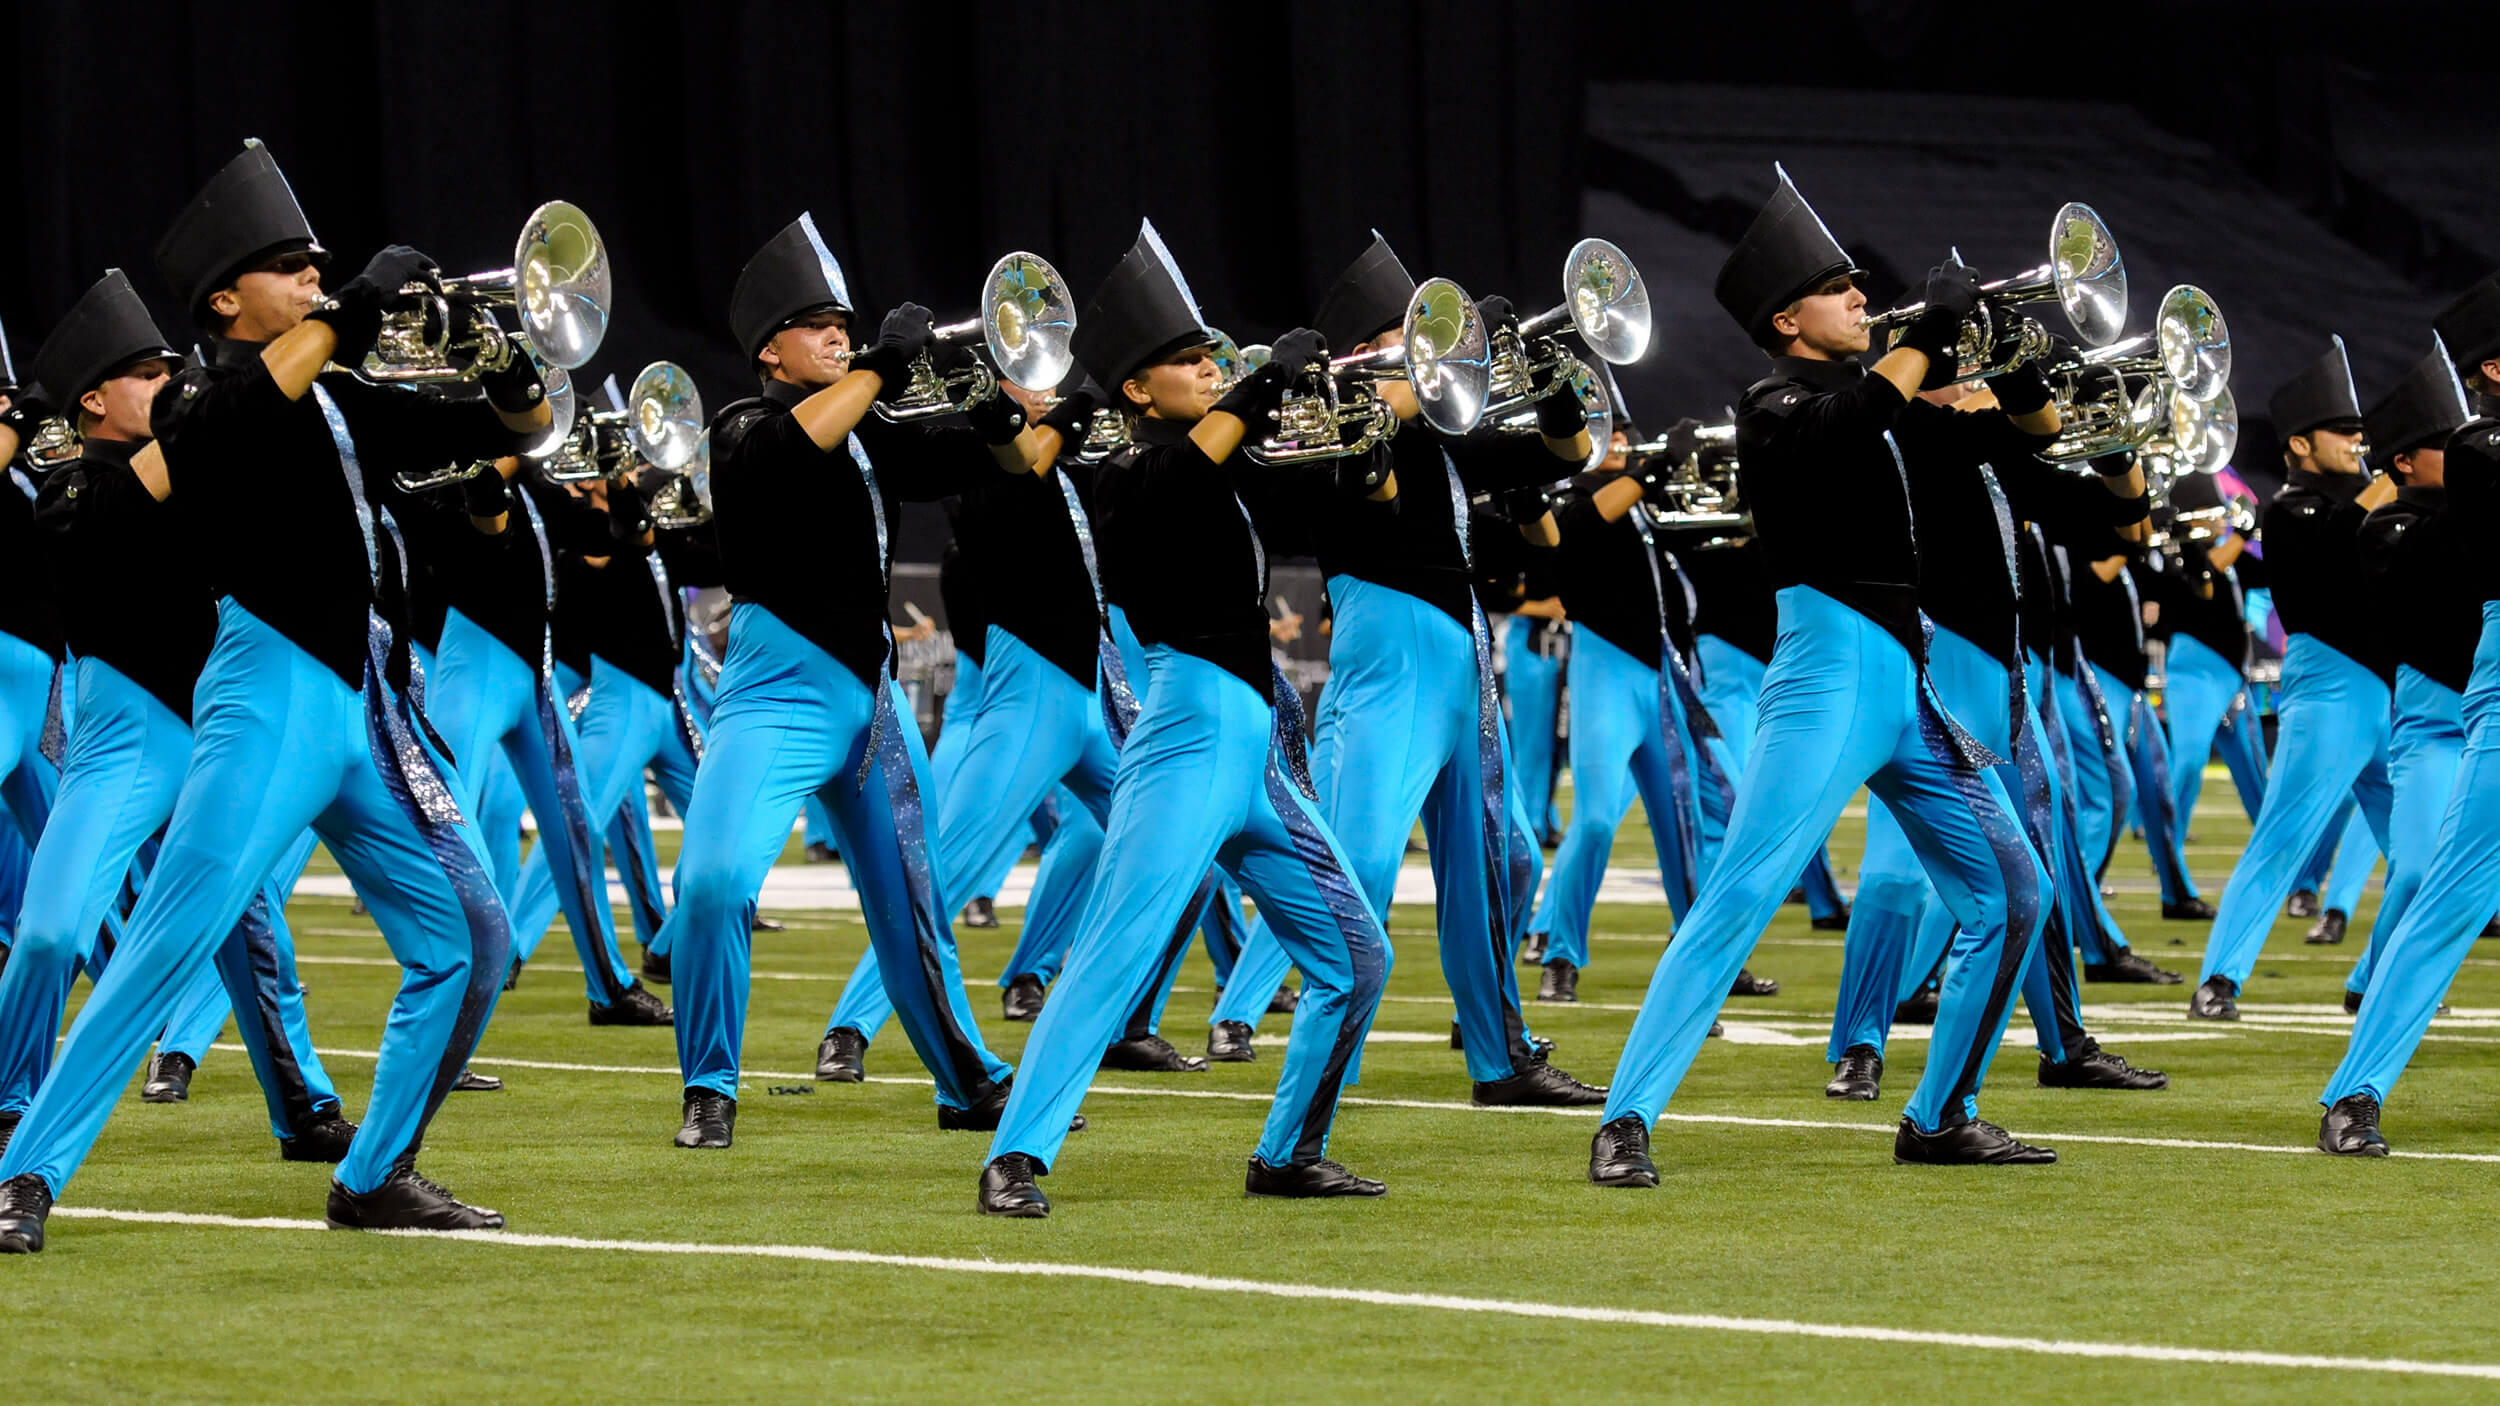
[1378, 1298]
[488, 1061]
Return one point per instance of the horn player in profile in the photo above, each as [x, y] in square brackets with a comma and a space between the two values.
[140, 640]
[1821, 444]
[298, 711]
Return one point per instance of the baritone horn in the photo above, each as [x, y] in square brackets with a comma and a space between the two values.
[1697, 492]
[559, 286]
[1604, 301]
[1340, 409]
[2084, 275]
[686, 499]
[1027, 320]
[2168, 388]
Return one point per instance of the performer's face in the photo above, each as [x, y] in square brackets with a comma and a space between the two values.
[2330, 451]
[1830, 321]
[120, 405]
[271, 299]
[813, 352]
[1182, 387]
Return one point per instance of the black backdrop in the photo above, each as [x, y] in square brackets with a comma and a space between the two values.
[1264, 141]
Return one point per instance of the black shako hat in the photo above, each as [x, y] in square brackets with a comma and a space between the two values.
[1368, 298]
[2470, 326]
[1784, 254]
[107, 329]
[2320, 396]
[1142, 313]
[792, 275]
[245, 216]
[2425, 405]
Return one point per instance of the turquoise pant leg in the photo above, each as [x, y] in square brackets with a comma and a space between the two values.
[2198, 690]
[2096, 790]
[2148, 756]
[1061, 886]
[2356, 854]
[2332, 742]
[790, 720]
[199, 1016]
[1730, 687]
[1196, 776]
[27, 779]
[2458, 893]
[2424, 752]
[485, 702]
[1618, 747]
[1533, 684]
[2241, 741]
[2056, 701]
[1875, 962]
[2319, 867]
[256, 969]
[281, 742]
[1840, 706]
[15, 856]
[626, 727]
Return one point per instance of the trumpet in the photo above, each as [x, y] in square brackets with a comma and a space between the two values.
[559, 285]
[2112, 398]
[1595, 390]
[563, 408]
[658, 424]
[1604, 300]
[2084, 274]
[1340, 409]
[686, 499]
[1027, 318]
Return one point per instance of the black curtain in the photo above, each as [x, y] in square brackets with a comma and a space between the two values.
[1264, 141]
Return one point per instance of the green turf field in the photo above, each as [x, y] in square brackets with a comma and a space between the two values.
[2214, 1250]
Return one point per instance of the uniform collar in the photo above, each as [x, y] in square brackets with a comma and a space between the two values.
[2342, 488]
[1158, 432]
[1822, 375]
[233, 351]
[2428, 498]
[110, 451]
[785, 394]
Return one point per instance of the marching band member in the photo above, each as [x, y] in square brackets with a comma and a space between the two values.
[802, 480]
[1825, 448]
[2204, 623]
[2435, 560]
[1212, 769]
[297, 719]
[2332, 738]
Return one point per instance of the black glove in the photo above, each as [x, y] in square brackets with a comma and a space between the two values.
[354, 309]
[628, 516]
[906, 333]
[1497, 314]
[1073, 416]
[2114, 465]
[997, 418]
[1257, 393]
[515, 387]
[2021, 390]
[1951, 294]
[1522, 507]
[1559, 414]
[484, 493]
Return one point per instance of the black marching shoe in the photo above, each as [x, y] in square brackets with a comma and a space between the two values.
[984, 1113]
[2304, 904]
[1560, 983]
[2328, 931]
[2097, 1068]
[1308, 1180]
[169, 1078]
[1007, 1188]
[1920, 1009]
[2217, 999]
[980, 913]
[406, 1201]
[2352, 1001]
[757, 922]
[821, 853]
[1284, 1001]
[2193, 910]
[512, 978]
[24, 1203]
[1619, 1154]
[1228, 1042]
[1532, 951]
[637, 1006]
[1747, 984]
[324, 1139]
[1977, 1143]
[1540, 1085]
[655, 967]
[1858, 1076]
[2128, 967]
[842, 1056]
[472, 1082]
[1022, 1000]
[1831, 922]
[2349, 1129]
[711, 1119]
[1151, 1054]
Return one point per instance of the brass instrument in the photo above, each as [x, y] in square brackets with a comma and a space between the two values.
[2084, 275]
[1339, 410]
[559, 284]
[2117, 397]
[1027, 318]
[657, 424]
[1604, 300]
[686, 499]
[56, 441]
[1698, 490]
